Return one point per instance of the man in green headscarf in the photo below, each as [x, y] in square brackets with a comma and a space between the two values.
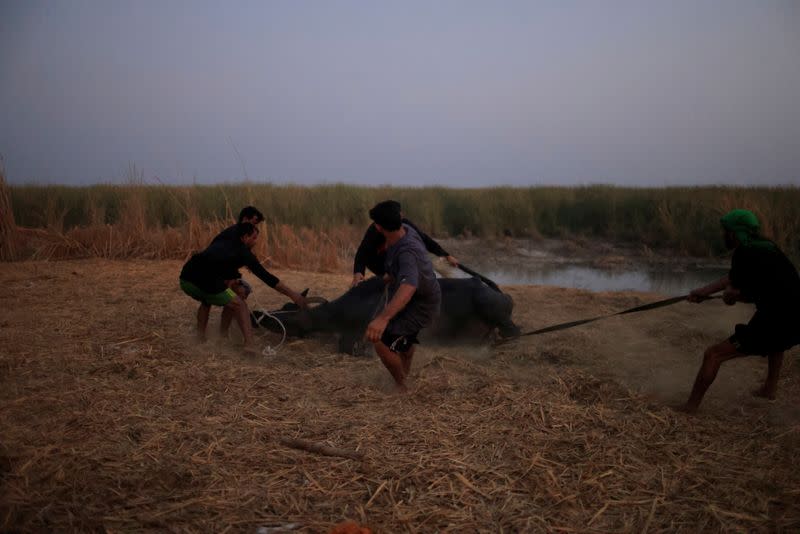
[744, 226]
[760, 273]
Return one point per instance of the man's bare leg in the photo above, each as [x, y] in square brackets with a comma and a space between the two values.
[240, 312]
[225, 322]
[712, 360]
[770, 387]
[393, 363]
[227, 313]
[406, 359]
[202, 322]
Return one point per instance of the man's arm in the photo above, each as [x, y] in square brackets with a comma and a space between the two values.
[272, 281]
[296, 297]
[367, 247]
[399, 301]
[432, 246]
[408, 277]
[700, 294]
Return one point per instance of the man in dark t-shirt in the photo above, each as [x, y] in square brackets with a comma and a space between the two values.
[248, 214]
[760, 273]
[371, 253]
[414, 295]
[208, 276]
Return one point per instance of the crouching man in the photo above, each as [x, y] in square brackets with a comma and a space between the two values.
[760, 273]
[248, 214]
[210, 277]
[414, 294]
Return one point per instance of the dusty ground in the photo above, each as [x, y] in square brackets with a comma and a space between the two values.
[111, 418]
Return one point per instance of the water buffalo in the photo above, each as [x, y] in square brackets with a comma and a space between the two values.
[470, 311]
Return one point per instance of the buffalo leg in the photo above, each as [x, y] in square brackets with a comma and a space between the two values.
[507, 328]
[347, 343]
[495, 309]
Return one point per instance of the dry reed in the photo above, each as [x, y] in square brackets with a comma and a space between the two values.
[8, 231]
[673, 220]
[279, 246]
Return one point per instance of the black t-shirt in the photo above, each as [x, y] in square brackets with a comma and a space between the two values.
[766, 277]
[228, 233]
[371, 252]
[221, 261]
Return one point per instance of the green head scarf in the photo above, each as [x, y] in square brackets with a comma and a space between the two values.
[745, 226]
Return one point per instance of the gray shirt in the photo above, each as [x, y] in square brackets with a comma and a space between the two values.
[407, 262]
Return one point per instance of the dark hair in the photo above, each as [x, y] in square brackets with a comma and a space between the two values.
[387, 214]
[243, 229]
[250, 211]
[393, 203]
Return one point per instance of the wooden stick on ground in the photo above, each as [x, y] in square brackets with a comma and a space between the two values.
[321, 448]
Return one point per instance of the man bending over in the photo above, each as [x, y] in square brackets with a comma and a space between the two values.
[762, 274]
[208, 276]
[248, 214]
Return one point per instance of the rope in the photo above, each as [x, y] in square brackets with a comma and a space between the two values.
[482, 278]
[571, 324]
[382, 301]
[268, 350]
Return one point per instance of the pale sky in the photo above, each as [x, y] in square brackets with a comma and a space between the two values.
[458, 93]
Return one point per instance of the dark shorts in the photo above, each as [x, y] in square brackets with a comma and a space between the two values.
[399, 343]
[400, 334]
[764, 335]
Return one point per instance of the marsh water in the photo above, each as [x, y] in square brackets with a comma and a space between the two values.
[661, 279]
[602, 268]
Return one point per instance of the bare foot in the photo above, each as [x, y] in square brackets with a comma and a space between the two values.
[400, 389]
[764, 392]
[250, 350]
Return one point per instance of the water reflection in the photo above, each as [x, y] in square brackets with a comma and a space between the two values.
[664, 280]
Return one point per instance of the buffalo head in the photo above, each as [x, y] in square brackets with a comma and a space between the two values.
[298, 322]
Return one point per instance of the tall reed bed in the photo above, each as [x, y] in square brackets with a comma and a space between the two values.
[9, 236]
[305, 224]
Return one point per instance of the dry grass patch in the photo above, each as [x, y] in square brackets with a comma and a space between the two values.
[112, 419]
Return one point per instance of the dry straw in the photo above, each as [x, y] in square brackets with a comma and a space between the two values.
[112, 420]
